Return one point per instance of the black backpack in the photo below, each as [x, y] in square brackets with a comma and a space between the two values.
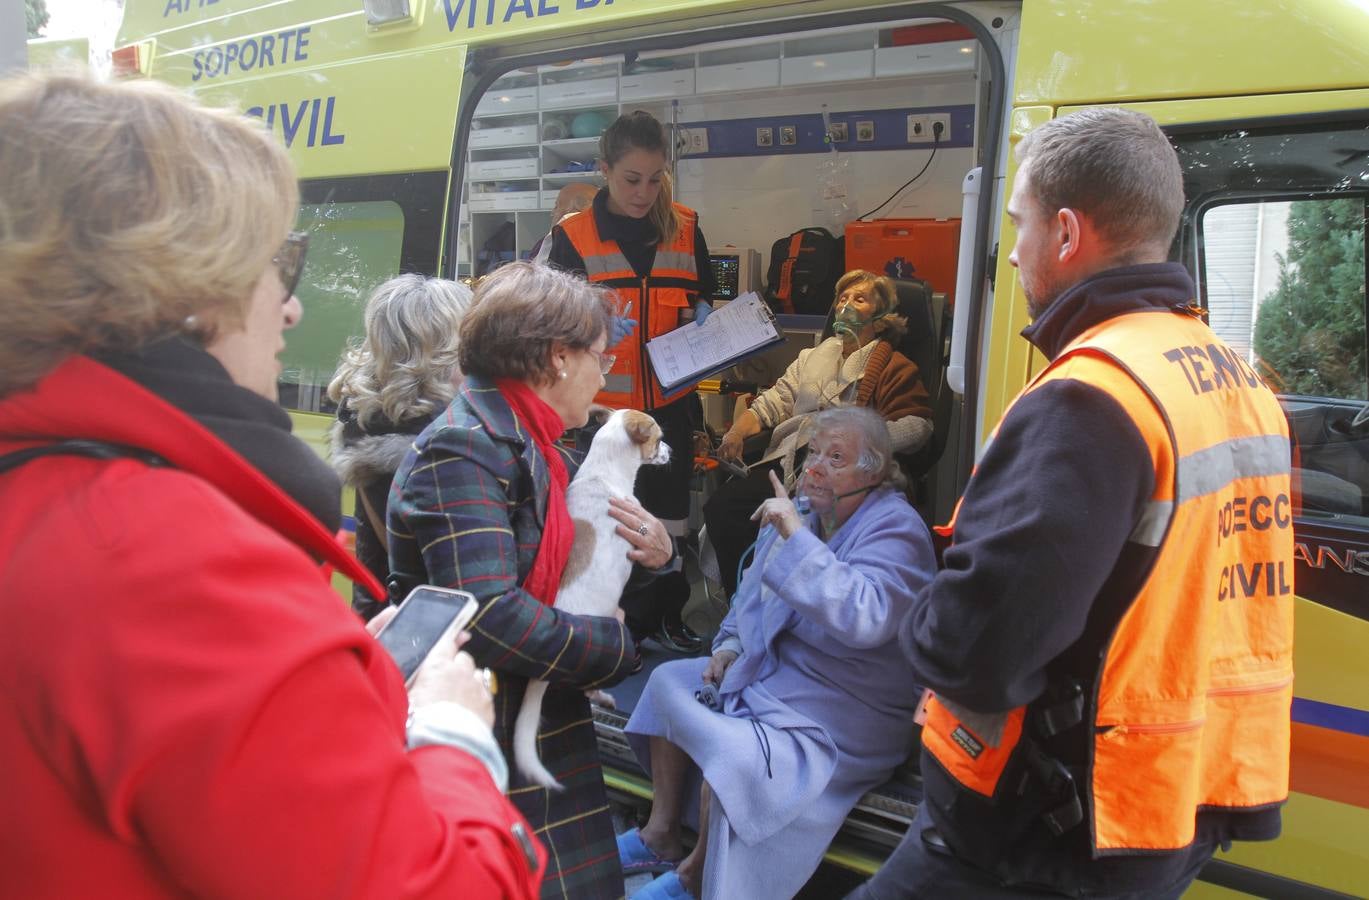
[803, 274]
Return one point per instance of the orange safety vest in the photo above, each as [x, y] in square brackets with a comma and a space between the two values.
[1190, 707]
[669, 288]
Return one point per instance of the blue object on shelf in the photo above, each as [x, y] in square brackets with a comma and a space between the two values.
[588, 124]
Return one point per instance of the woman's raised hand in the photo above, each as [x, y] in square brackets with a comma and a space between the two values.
[778, 510]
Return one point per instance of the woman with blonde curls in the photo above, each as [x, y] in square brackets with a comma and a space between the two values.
[188, 710]
[388, 388]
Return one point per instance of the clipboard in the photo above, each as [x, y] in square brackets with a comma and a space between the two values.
[682, 358]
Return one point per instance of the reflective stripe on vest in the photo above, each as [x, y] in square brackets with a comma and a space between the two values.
[1190, 709]
[674, 278]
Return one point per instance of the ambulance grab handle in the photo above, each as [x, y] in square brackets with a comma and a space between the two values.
[965, 296]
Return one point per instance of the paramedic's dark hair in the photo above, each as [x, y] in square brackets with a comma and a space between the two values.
[1115, 166]
[639, 130]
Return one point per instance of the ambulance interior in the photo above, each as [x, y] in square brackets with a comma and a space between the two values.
[868, 131]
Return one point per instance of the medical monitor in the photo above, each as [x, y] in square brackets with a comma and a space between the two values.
[735, 271]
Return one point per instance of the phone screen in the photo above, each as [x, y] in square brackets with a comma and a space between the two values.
[423, 617]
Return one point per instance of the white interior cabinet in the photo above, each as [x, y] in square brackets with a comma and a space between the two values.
[535, 131]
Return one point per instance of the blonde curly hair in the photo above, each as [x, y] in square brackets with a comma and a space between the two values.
[406, 364]
[126, 211]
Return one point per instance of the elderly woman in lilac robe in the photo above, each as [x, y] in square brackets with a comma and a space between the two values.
[814, 701]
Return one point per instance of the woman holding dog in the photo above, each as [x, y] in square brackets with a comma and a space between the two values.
[859, 366]
[650, 251]
[813, 704]
[479, 504]
[188, 709]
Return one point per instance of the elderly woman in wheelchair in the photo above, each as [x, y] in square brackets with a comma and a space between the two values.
[858, 365]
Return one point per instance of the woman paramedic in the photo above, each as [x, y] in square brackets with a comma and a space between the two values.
[649, 249]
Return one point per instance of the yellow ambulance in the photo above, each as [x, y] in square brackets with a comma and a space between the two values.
[433, 135]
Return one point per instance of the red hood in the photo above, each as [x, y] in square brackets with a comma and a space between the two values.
[83, 399]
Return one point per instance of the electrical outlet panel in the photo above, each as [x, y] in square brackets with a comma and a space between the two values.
[838, 133]
[695, 140]
[789, 135]
[865, 130]
[765, 137]
[943, 134]
[919, 129]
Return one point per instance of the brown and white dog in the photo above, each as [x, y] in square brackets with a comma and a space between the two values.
[598, 567]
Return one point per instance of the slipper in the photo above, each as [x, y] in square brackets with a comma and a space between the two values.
[635, 856]
[667, 887]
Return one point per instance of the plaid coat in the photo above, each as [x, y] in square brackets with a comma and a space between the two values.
[466, 510]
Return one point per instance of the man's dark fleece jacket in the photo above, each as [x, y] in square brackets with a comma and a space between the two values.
[1041, 570]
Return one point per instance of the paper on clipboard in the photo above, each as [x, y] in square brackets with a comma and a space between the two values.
[692, 351]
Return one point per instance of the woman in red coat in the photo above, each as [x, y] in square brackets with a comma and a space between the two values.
[189, 708]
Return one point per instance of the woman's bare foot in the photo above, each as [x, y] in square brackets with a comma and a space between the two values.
[691, 874]
[664, 844]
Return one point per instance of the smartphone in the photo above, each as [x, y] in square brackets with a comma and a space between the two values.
[423, 617]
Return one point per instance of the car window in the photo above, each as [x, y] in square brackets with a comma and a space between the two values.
[1284, 285]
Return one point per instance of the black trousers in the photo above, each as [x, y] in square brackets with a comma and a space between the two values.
[918, 869]
[664, 491]
[727, 515]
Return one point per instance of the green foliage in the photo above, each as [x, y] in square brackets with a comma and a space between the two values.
[1311, 328]
[36, 14]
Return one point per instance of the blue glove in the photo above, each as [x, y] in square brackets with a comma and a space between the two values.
[701, 311]
[619, 328]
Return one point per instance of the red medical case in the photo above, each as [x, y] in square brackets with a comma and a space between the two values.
[900, 248]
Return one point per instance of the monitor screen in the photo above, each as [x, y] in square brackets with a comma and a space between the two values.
[726, 275]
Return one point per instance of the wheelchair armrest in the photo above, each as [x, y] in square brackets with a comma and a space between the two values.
[754, 447]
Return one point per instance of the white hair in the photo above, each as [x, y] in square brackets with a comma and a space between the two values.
[876, 456]
[406, 364]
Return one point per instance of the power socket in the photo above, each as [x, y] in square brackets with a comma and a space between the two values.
[924, 130]
[695, 140]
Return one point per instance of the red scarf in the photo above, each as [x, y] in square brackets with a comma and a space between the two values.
[544, 425]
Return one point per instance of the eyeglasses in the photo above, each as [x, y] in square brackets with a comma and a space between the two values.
[289, 261]
[606, 360]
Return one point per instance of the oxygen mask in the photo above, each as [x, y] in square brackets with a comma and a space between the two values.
[849, 321]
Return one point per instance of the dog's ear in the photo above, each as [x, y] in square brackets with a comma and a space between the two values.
[640, 426]
[599, 415]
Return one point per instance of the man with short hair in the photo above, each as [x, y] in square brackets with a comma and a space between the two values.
[1110, 641]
